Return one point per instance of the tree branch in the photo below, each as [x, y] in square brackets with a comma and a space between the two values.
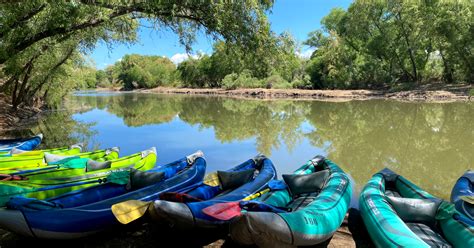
[22, 19]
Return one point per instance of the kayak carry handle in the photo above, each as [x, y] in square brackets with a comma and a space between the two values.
[191, 158]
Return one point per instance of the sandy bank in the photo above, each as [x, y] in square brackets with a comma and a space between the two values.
[455, 94]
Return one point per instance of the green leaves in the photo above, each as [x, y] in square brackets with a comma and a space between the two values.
[34, 33]
[387, 42]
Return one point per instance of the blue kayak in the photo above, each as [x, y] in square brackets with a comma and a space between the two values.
[464, 187]
[26, 144]
[84, 212]
[185, 211]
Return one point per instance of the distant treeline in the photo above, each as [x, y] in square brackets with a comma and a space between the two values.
[374, 44]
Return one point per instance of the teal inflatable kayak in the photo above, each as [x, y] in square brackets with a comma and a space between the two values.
[307, 213]
[397, 213]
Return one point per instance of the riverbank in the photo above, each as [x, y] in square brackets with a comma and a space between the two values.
[12, 121]
[430, 93]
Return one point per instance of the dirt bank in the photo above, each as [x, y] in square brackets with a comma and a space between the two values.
[448, 93]
[12, 121]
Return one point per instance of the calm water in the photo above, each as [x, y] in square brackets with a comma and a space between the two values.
[429, 143]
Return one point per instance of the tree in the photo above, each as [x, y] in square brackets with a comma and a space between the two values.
[382, 43]
[33, 29]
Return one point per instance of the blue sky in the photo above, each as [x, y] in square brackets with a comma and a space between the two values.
[299, 17]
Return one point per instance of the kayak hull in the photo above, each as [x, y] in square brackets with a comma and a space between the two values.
[388, 229]
[84, 214]
[26, 144]
[313, 218]
[46, 184]
[190, 215]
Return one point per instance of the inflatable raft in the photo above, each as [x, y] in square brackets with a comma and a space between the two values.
[307, 213]
[397, 213]
[84, 212]
[27, 144]
[16, 164]
[70, 175]
[464, 188]
[185, 211]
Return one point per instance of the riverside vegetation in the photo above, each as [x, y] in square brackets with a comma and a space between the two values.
[384, 44]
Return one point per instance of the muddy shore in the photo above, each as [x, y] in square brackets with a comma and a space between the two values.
[432, 94]
[12, 121]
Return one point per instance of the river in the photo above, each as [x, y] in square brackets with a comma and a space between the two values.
[431, 144]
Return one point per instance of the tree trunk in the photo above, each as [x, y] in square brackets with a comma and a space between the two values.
[409, 48]
[447, 72]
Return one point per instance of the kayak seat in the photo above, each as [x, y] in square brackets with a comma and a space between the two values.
[301, 201]
[235, 179]
[428, 235]
[140, 179]
[92, 165]
[299, 184]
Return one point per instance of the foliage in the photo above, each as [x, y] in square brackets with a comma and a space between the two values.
[229, 65]
[243, 80]
[379, 43]
[194, 73]
[39, 37]
[137, 71]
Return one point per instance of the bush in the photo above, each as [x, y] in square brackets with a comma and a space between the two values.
[276, 82]
[137, 71]
[302, 84]
[243, 80]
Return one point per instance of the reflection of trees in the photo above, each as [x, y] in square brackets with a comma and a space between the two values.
[136, 110]
[270, 122]
[60, 129]
[431, 144]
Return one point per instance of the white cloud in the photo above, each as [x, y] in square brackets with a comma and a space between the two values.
[180, 57]
[305, 54]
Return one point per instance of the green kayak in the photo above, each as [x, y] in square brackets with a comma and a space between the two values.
[397, 213]
[307, 213]
[71, 174]
[14, 164]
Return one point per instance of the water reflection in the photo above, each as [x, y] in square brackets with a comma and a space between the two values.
[430, 143]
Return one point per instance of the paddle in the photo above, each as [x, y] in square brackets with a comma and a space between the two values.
[67, 163]
[228, 210]
[128, 211]
[468, 198]
[117, 177]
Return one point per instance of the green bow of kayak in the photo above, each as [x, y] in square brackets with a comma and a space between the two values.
[71, 175]
[16, 164]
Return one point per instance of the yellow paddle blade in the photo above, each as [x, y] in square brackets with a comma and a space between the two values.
[128, 211]
[467, 198]
[212, 179]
